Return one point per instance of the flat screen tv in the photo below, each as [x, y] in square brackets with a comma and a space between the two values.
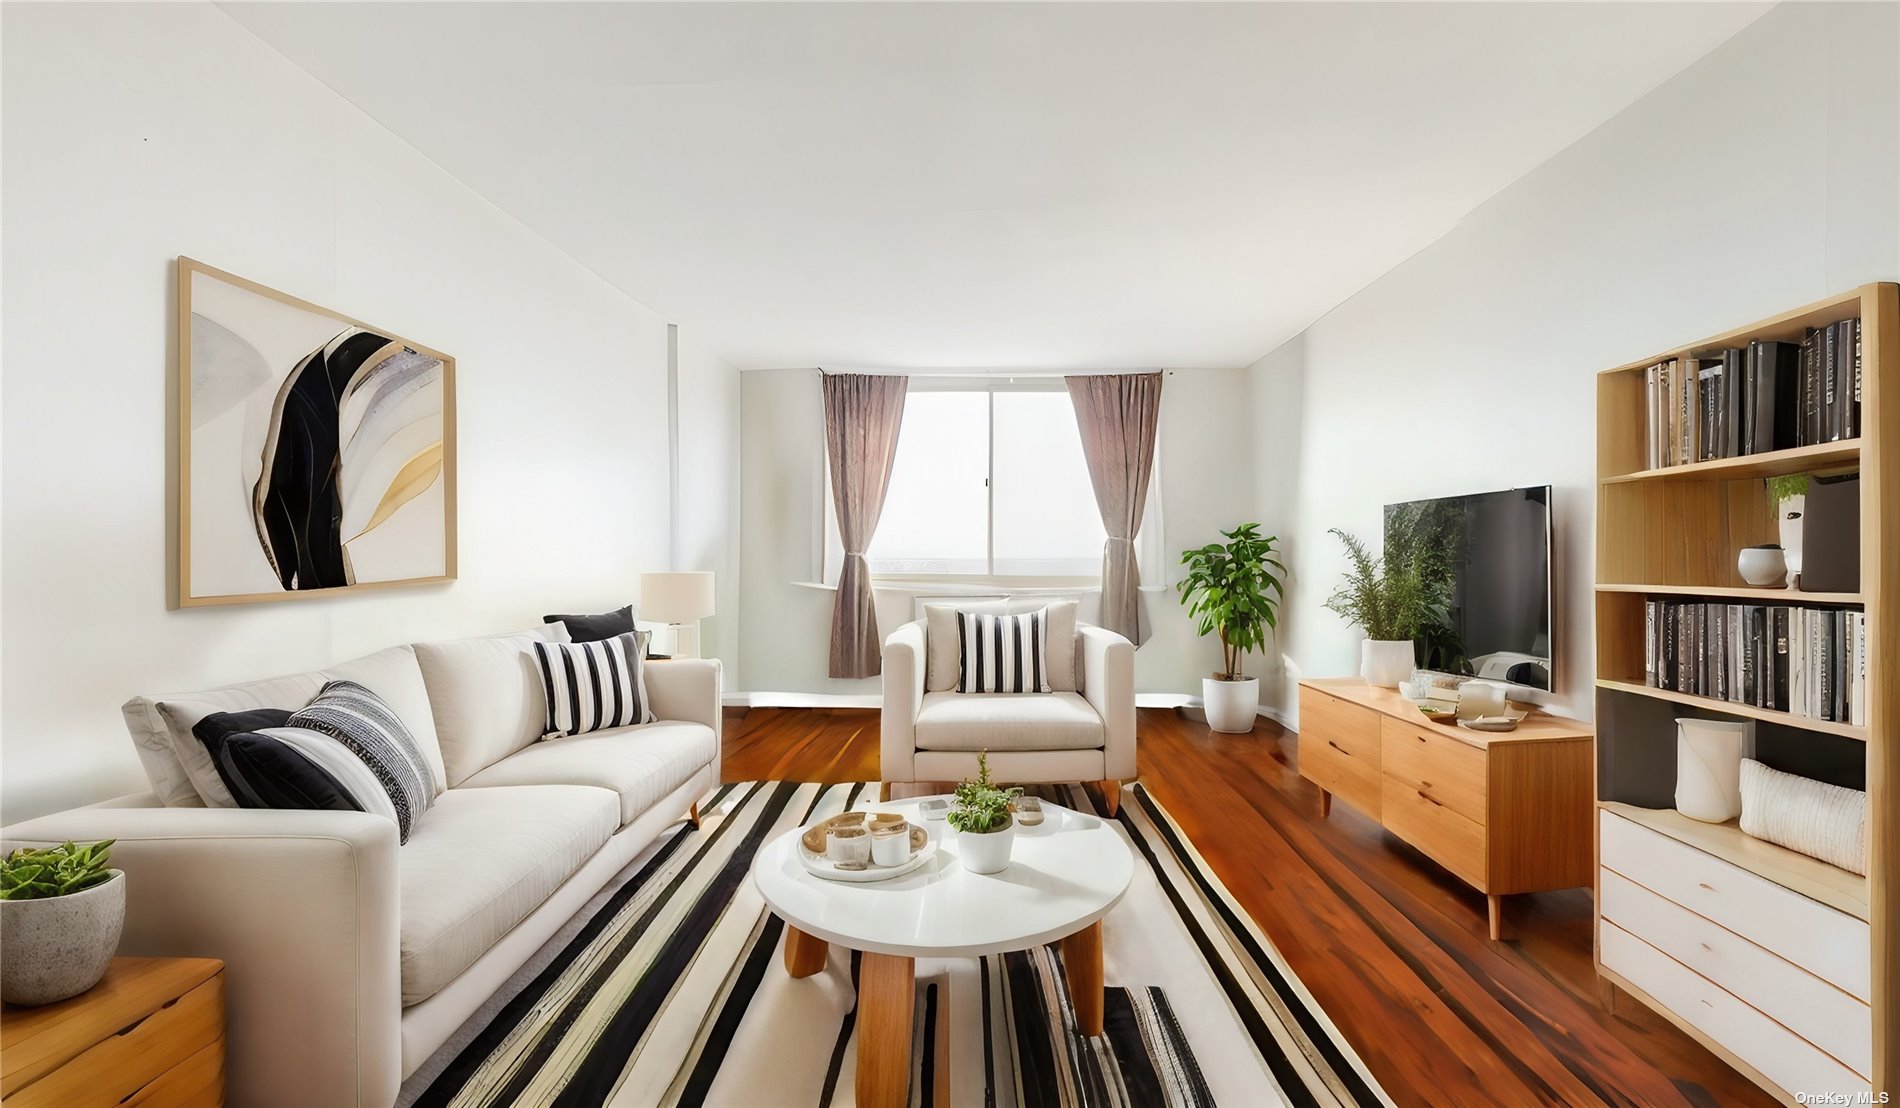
[1490, 555]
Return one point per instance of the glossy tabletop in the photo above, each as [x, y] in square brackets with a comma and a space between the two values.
[1063, 875]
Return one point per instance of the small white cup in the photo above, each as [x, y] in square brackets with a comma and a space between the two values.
[890, 844]
[848, 846]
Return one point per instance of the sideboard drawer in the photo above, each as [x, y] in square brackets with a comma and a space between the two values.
[1782, 1056]
[1456, 841]
[1779, 989]
[1832, 945]
[1441, 767]
[1339, 749]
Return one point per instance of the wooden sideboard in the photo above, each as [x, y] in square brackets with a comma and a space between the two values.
[1505, 813]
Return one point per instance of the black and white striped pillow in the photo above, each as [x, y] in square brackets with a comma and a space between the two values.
[592, 686]
[1002, 654]
[364, 725]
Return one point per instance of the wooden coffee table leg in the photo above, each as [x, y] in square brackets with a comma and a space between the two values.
[804, 955]
[1082, 961]
[886, 986]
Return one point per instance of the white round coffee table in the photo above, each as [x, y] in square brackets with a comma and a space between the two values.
[1064, 875]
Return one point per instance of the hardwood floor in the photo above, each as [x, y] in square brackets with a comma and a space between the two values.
[1391, 946]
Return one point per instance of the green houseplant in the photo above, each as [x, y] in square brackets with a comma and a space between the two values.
[61, 911]
[1233, 590]
[1394, 601]
[981, 816]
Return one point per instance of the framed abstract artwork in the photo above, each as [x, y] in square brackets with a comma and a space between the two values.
[316, 453]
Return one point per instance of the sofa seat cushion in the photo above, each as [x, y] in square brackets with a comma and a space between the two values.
[480, 862]
[1008, 721]
[642, 763]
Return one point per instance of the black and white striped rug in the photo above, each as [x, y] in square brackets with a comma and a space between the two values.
[670, 990]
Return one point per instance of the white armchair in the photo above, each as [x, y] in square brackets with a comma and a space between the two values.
[1085, 735]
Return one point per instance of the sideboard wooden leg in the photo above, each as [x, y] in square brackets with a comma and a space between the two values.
[1325, 804]
[1494, 905]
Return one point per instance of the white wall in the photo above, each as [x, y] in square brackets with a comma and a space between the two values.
[1764, 176]
[709, 488]
[1206, 484]
[136, 133]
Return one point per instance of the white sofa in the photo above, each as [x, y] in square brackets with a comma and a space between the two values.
[1085, 732]
[350, 959]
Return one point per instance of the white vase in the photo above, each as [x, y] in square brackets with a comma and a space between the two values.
[987, 852]
[1709, 769]
[59, 947]
[1385, 662]
[1763, 566]
[1793, 515]
[1231, 706]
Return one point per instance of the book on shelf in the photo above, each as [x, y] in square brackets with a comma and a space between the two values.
[1754, 399]
[1807, 661]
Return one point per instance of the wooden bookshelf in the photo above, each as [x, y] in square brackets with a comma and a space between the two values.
[1673, 533]
[1745, 711]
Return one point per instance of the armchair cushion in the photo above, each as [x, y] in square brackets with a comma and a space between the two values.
[1008, 721]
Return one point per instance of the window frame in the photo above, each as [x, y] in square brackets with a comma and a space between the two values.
[1148, 539]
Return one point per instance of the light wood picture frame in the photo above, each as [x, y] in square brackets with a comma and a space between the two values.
[316, 452]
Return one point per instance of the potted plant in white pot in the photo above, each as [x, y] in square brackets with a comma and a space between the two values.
[1233, 591]
[985, 826]
[1391, 602]
[61, 912]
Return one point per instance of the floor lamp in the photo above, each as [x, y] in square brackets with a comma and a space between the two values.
[678, 600]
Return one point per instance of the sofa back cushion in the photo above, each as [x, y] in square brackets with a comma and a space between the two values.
[941, 661]
[180, 767]
[486, 695]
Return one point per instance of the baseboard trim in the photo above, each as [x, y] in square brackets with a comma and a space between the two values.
[874, 700]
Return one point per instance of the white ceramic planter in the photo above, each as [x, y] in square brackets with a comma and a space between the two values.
[1385, 662]
[988, 852]
[59, 947]
[1763, 566]
[1231, 706]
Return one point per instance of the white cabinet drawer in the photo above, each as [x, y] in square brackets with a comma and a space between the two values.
[1832, 945]
[1803, 1003]
[1782, 1056]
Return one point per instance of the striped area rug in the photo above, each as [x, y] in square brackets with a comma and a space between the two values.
[670, 991]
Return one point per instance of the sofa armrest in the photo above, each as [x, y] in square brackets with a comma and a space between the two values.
[903, 695]
[1106, 664]
[303, 909]
[687, 689]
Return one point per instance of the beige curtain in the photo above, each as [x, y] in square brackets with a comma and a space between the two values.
[862, 415]
[1118, 414]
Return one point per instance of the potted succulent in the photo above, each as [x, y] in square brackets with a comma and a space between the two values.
[985, 826]
[61, 911]
[1233, 591]
[1392, 602]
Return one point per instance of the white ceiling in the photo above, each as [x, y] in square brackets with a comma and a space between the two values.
[1025, 186]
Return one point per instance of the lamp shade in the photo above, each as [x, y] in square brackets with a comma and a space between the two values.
[676, 597]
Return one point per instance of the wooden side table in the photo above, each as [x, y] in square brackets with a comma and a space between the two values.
[150, 1033]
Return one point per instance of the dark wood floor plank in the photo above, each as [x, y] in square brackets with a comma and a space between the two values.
[1394, 948]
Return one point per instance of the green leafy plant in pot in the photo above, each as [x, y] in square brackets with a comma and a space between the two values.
[981, 816]
[1233, 590]
[1393, 601]
[61, 912]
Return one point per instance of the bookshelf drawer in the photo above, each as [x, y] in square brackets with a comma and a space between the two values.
[1455, 841]
[1829, 944]
[1811, 1008]
[1441, 767]
[1782, 1056]
[1339, 749]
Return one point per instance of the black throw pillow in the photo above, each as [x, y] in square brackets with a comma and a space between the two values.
[596, 628]
[270, 774]
[216, 728]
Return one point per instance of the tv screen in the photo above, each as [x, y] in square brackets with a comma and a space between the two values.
[1488, 557]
